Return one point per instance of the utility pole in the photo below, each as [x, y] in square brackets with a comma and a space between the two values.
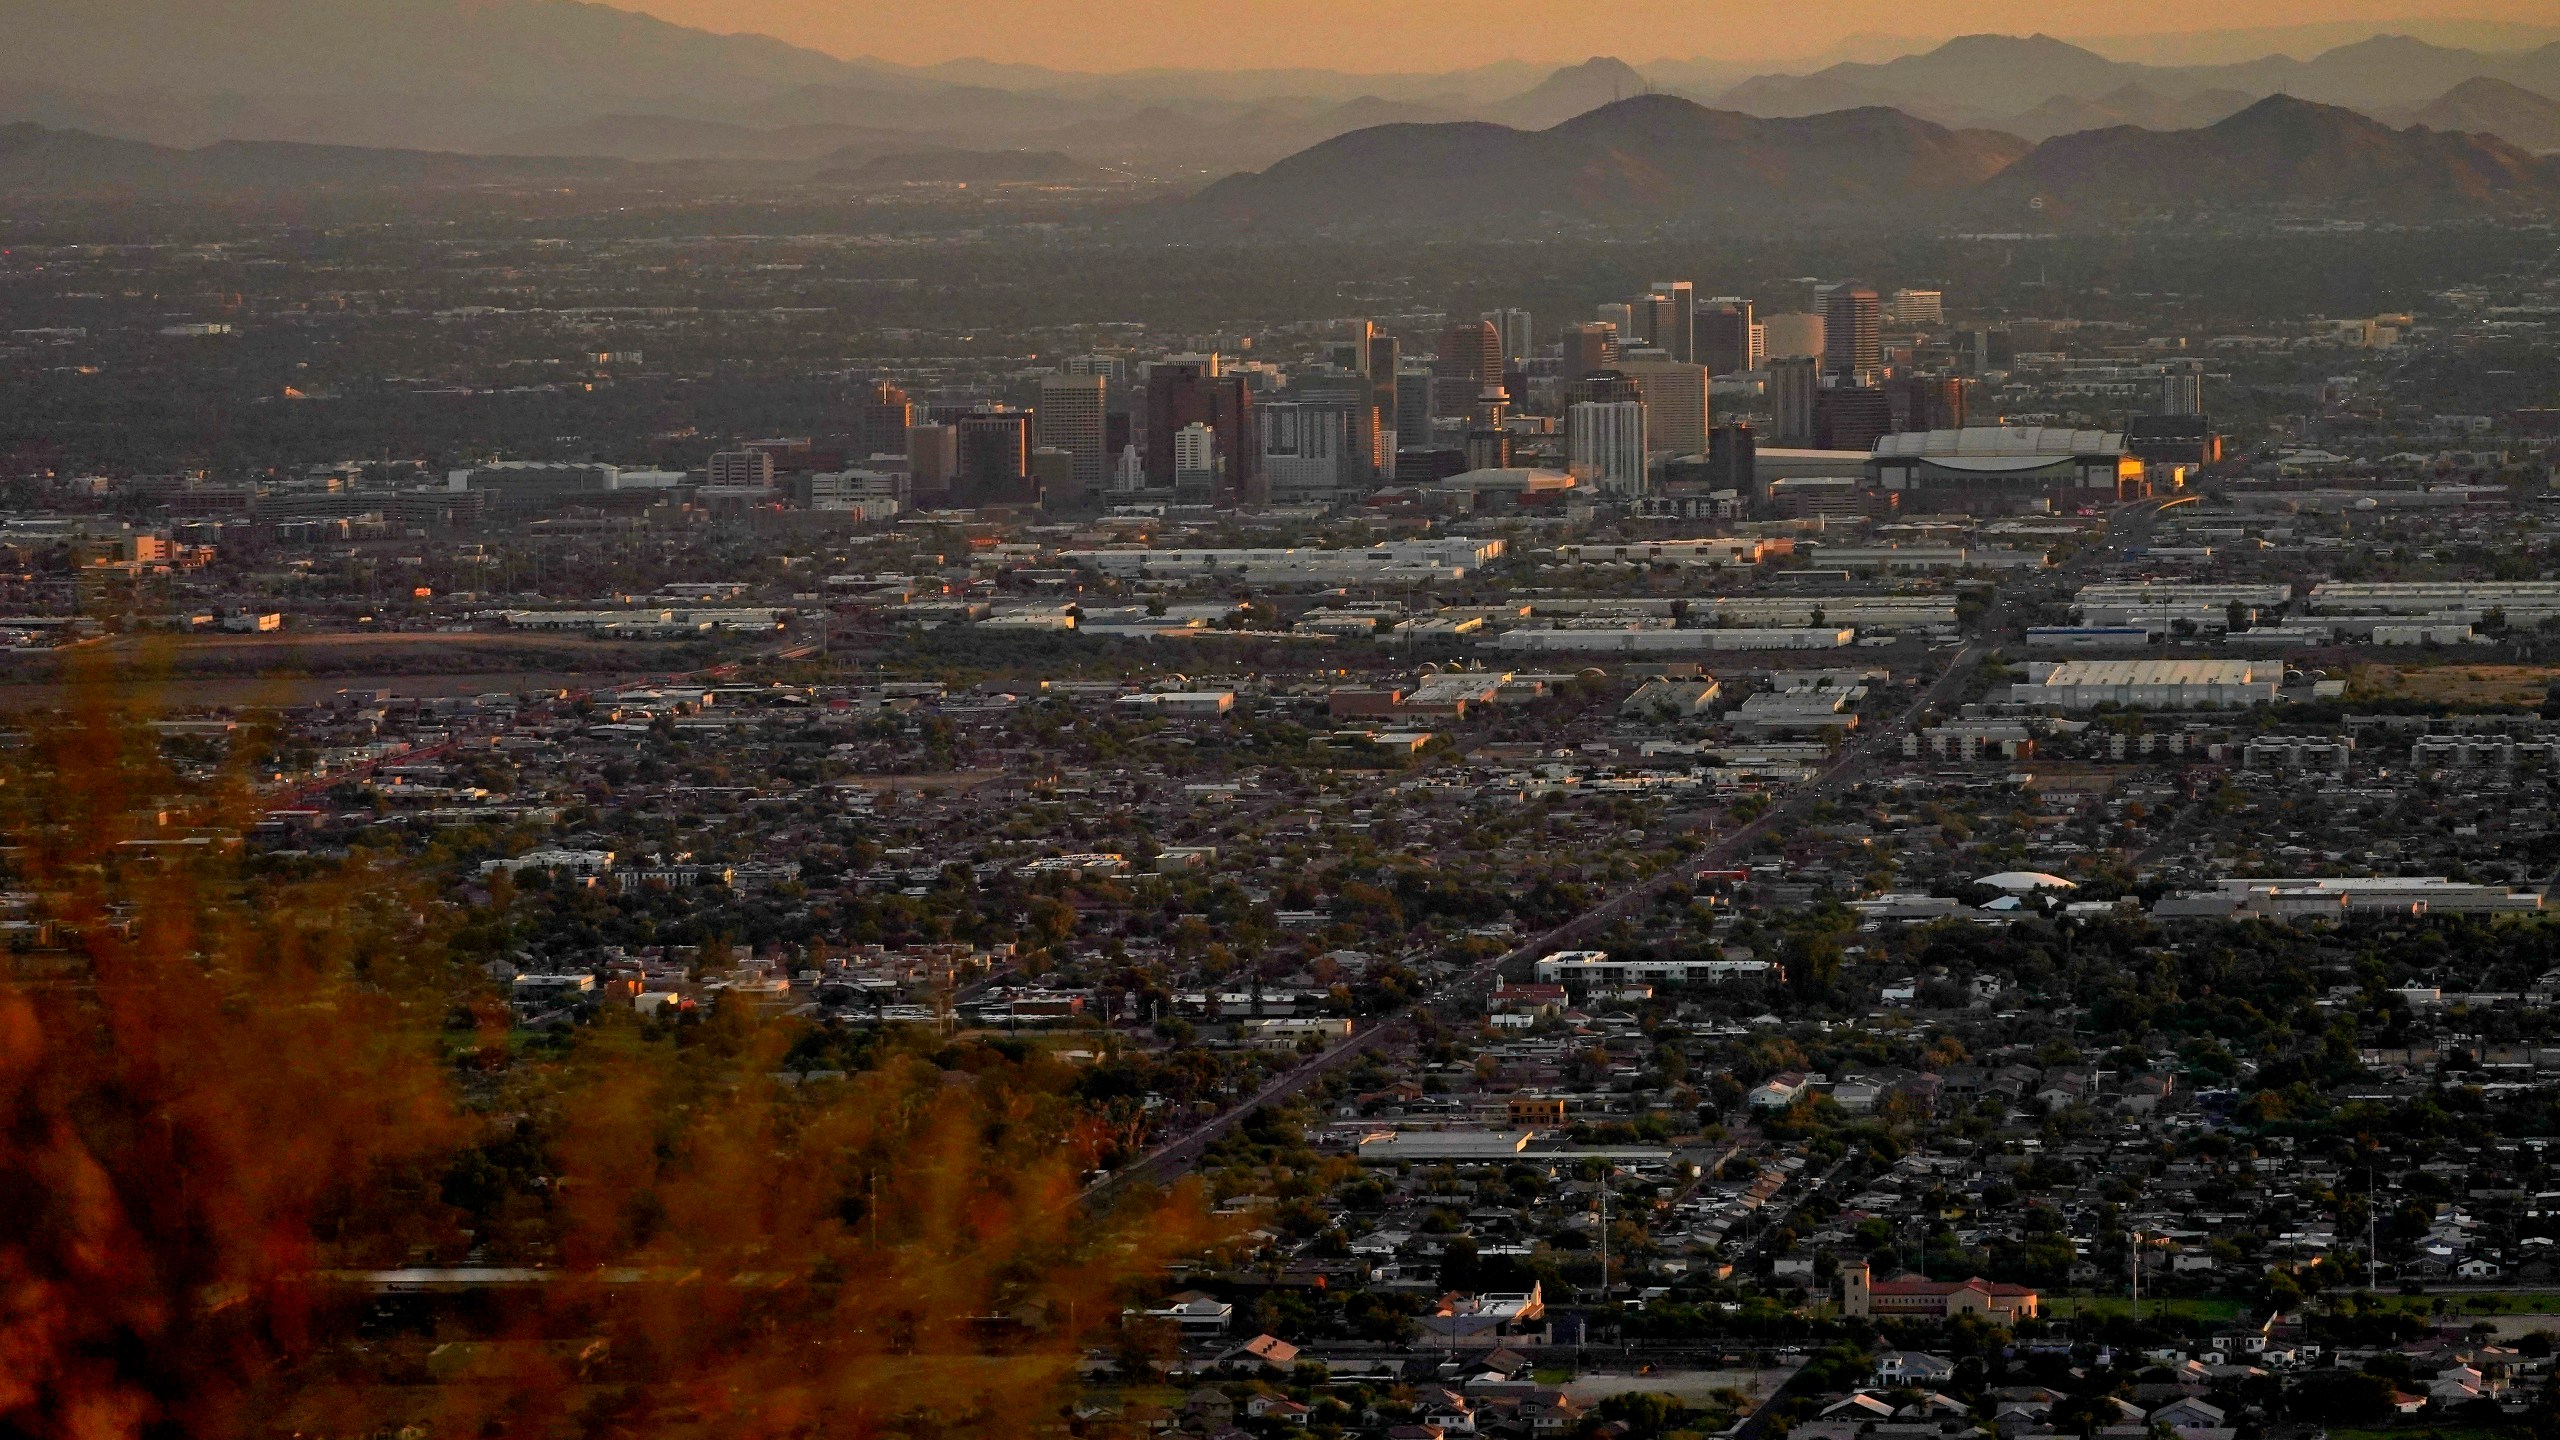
[2135, 1253]
[2372, 1232]
[1605, 1171]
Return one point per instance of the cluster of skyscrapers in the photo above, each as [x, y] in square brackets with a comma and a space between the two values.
[1613, 400]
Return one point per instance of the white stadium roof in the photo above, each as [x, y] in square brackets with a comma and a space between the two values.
[2034, 443]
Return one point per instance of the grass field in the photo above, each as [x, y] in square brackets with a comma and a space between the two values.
[2208, 1308]
[2473, 1303]
[2217, 1309]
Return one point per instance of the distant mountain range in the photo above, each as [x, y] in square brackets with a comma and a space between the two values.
[1642, 159]
[534, 78]
[1654, 155]
[35, 160]
[2494, 107]
[1660, 157]
[2000, 80]
[538, 76]
[2283, 151]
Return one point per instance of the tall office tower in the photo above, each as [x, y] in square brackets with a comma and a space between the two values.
[1622, 319]
[1605, 445]
[1053, 479]
[1367, 444]
[1790, 336]
[886, 412]
[752, 468]
[1793, 382]
[1591, 345]
[1195, 464]
[1470, 352]
[1733, 453]
[1928, 402]
[995, 458]
[1851, 417]
[1513, 326]
[1194, 390]
[1310, 451]
[1917, 307]
[1675, 403]
[1413, 407]
[1381, 358]
[1724, 337]
[2182, 388]
[1675, 311]
[1488, 428]
[1470, 358]
[1852, 331]
[933, 460]
[1072, 418]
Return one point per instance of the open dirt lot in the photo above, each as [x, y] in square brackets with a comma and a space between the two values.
[2514, 685]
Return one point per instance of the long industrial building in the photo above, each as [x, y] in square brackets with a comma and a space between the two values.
[1673, 642]
[2149, 684]
[2519, 599]
[1397, 562]
[1889, 611]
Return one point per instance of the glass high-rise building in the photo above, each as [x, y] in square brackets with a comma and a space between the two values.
[1852, 331]
[1071, 418]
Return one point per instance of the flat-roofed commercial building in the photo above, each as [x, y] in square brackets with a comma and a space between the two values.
[2519, 599]
[2149, 684]
[1716, 552]
[1599, 967]
[1397, 561]
[2424, 894]
[2160, 606]
[1666, 641]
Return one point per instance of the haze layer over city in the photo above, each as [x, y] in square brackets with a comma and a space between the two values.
[795, 721]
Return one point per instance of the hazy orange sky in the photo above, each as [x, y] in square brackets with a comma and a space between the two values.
[1410, 35]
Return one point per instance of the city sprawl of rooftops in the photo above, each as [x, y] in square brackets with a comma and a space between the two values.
[1933, 860]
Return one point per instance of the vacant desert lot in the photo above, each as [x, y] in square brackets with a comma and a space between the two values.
[2491, 685]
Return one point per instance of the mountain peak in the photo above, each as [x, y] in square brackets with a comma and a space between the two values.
[2388, 47]
[1991, 46]
[2292, 113]
[2283, 150]
[1570, 91]
[1598, 66]
[1649, 156]
[2484, 105]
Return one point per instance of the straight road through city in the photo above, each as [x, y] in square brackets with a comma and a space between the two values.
[1465, 993]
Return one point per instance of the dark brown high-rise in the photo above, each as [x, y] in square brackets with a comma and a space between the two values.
[995, 458]
[1724, 337]
[1194, 392]
[1470, 359]
[1588, 347]
[885, 414]
[1470, 352]
[1852, 331]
